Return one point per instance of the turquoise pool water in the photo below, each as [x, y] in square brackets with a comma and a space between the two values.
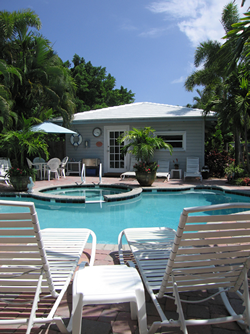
[91, 194]
[108, 219]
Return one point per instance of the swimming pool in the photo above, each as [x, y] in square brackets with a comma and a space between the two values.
[107, 220]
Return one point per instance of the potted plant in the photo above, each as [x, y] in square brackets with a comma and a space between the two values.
[142, 144]
[19, 145]
[176, 164]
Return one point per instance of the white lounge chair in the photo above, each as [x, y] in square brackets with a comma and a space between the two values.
[131, 172]
[192, 168]
[34, 261]
[5, 165]
[206, 252]
[163, 169]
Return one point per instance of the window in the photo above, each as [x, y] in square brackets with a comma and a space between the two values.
[176, 138]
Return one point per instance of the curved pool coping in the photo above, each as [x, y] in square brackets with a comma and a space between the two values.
[41, 195]
[135, 191]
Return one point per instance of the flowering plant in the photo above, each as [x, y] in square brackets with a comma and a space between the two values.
[176, 164]
[146, 167]
[15, 171]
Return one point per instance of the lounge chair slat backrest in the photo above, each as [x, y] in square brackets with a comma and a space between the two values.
[192, 165]
[34, 261]
[5, 163]
[163, 166]
[22, 252]
[203, 252]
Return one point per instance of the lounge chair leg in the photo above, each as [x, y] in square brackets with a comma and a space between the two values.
[133, 311]
[179, 307]
[76, 313]
[141, 306]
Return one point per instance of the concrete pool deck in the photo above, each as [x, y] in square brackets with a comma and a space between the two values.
[115, 318]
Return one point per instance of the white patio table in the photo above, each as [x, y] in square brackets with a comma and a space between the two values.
[42, 168]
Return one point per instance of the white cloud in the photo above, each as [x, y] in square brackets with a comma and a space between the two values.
[199, 20]
[128, 26]
[180, 80]
[154, 32]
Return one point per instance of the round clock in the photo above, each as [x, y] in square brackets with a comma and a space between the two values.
[97, 132]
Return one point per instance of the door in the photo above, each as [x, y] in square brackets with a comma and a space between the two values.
[115, 159]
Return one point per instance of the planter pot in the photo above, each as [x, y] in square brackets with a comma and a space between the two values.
[20, 183]
[145, 179]
[176, 166]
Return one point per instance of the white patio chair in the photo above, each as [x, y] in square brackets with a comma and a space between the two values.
[163, 169]
[207, 252]
[33, 166]
[36, 263]
[192, 168]
[53, 167]
[130, 172]
[5, 165]
[62, 166]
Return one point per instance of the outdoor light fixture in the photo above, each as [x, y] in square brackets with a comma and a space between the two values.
[86, 143]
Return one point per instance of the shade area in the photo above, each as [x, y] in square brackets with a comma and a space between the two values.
[51, 128]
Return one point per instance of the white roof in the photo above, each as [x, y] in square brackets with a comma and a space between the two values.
[140, 111]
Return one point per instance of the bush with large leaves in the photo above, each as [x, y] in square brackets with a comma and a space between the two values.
[142, 144]
[24, 143]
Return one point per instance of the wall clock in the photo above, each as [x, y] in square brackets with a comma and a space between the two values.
[97, 132]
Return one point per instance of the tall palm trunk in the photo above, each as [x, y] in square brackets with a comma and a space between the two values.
[246, 143]
[237, 147]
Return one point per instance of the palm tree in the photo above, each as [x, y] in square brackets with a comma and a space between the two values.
[218, 87]
[14, 26]
[142, 144]
[20, 144]
[46, 83]
[6, 102]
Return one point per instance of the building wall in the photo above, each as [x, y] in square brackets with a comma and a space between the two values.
[195, 133]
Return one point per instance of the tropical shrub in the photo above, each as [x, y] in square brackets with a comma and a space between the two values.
[217, 162]
[22, 144]
[146, 168]
[142, 144]
[245, 181]
[233, 172]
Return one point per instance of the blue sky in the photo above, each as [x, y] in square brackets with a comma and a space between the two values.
[148, 46]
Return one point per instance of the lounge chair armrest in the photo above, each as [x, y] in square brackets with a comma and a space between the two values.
[120, 250]
[93, 249]
[131, 264]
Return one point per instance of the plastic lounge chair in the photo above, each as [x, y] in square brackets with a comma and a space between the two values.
[63, 165]
[163, 169]
[5, 165]
[192, 168]
[53, 167]
[34, 262]
[130, 173]
[207, 252]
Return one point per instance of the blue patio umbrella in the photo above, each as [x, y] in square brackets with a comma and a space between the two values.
[51, 128]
